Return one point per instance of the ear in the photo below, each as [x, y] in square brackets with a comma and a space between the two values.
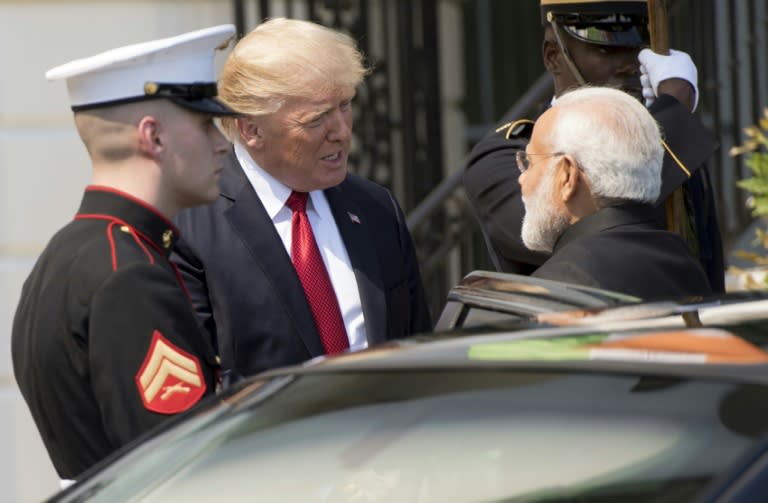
[150, 138]
[250, 131]
[570, 179]
[551, 55]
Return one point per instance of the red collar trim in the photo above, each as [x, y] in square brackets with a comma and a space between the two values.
[104, 188]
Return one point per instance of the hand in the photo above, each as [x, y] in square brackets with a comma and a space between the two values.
[656, 70]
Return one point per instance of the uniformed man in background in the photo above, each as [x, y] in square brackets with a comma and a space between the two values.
[599, 42]
[105, 342]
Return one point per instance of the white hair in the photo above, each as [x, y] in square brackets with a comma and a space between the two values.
[614, 140]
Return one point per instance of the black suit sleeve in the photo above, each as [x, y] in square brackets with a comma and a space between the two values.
[193, 274]
[420, 319]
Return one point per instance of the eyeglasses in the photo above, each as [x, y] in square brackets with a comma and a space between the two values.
[524, 162]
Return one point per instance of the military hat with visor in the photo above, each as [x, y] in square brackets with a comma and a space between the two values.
[179, 69]
[620, 23]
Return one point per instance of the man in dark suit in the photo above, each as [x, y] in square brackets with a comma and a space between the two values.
[588, 179]
[598, 42]
[287, 197]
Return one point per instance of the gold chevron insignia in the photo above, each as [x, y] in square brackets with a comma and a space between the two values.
[165, 360]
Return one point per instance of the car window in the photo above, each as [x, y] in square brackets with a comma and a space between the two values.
[479, 317]
[452, 436]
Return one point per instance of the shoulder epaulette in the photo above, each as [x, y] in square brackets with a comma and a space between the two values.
[126, 229]
[517, 129]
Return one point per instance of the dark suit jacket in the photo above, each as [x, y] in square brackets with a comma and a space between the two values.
[623, 249]
[246, 290]
[490, 181]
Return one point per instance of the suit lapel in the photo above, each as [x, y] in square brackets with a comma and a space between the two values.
[250, 221]
[357, 237]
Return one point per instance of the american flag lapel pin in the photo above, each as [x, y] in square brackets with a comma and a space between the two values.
[353, 217]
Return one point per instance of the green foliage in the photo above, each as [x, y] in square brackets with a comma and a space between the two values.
[755, 150]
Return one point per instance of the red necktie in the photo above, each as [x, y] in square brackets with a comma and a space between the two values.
[314, 278]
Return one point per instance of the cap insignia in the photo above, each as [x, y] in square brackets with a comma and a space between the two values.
[150, 88]
[225, 43]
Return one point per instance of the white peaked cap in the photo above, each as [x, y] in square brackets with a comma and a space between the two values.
[179, 68]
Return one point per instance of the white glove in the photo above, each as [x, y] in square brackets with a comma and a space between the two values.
[655, 68]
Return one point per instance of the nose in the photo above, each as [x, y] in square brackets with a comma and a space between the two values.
[627, 64]
[340, 126]
[220, 143]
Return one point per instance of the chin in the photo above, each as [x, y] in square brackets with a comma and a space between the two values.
[206, 198]
[213, 196]
[336, 178]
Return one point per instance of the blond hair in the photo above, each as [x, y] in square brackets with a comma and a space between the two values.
[284, 58]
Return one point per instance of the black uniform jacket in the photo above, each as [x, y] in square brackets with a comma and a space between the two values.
[105, 342]
[490, 181]
[623, 249]
[246, 290]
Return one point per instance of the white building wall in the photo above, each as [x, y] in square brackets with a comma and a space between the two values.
[452, 91]
[44, 167]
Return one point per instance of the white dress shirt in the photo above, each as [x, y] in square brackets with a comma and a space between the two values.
[273, 196]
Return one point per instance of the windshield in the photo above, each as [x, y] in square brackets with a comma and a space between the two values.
[449, 436]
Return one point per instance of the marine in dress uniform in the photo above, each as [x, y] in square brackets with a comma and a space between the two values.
[490, 179]
[105, 342]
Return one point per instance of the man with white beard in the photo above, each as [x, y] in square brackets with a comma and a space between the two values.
[589, 178]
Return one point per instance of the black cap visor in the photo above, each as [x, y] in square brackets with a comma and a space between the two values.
[618, 35]
[204, 105]
[593, 7]
[197, 96]
[627, 26]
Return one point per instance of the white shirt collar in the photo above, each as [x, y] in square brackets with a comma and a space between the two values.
[271, 191]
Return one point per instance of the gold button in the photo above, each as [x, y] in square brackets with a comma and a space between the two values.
[150, 88]
[167, 236]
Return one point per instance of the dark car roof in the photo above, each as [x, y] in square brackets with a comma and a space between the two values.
[725, 338]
